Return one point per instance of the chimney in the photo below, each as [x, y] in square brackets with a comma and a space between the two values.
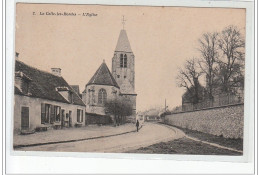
[16, 55]
[56, 71]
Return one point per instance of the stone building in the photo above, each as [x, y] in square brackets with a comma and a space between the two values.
[44, 100]
[120, 83]
[100, 88]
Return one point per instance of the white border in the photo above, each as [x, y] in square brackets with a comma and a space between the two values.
[57, 162]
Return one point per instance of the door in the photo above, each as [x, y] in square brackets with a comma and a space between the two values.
[25, 118]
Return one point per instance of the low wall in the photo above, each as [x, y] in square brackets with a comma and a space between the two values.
[97, 119]
[227, 121]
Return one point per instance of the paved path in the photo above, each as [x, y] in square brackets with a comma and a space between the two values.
[148, 135]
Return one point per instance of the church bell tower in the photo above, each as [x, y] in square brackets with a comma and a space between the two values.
[123, 68]
[123, 63]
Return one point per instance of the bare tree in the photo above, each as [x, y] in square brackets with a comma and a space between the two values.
[120, 109]
[231, 66]
[188, 77]
[208, 47]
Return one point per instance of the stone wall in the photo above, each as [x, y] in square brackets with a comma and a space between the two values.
[227, 121]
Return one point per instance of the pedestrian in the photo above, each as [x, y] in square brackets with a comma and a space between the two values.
[137, 125]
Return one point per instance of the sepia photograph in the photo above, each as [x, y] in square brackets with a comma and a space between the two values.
[129, 79]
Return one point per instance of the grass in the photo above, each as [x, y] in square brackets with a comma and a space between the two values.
[184, 146]
[227, 142]
[187, 146]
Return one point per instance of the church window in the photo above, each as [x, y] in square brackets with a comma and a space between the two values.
[125, 60]
[121, 60]
[102, 96]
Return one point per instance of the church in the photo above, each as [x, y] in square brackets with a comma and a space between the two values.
[118, 83]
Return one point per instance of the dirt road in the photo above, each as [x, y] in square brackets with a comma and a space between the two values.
[148, 135]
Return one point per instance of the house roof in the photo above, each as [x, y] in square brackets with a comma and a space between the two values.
[44, 85]
[103, 77]
[123, 44]
[76, 88]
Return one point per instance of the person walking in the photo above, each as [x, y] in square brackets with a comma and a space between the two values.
[137, 125]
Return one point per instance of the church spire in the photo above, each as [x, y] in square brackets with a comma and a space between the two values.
[123, 44]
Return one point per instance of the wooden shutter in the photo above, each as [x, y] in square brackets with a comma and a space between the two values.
[43, 114]
[52, 114]
[78, 115]
[81, 115]
[25, 118]
[58, 112]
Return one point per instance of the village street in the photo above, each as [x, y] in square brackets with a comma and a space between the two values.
[149, 134]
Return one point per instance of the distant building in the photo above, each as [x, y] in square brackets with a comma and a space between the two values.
[44, 100]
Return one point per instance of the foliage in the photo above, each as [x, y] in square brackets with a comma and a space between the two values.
[222, 57]
[119, 108]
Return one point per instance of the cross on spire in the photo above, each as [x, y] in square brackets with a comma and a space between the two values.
[123, 22]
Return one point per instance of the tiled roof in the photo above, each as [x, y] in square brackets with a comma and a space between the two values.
[44, 85]
[76, 88]
[123, 44]
[103, 77]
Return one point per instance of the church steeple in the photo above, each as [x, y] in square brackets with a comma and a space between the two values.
[123, 63]
[123, 44]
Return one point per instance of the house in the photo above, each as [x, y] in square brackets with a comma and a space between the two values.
[44, 100]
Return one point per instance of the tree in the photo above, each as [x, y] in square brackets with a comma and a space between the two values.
[231, 66]
[119, 108]
[208, 47]
[188, 77]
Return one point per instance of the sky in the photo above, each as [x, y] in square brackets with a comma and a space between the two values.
[162, 39]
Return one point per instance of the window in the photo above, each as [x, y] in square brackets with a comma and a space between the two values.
[118, 76]
[57, 113]
[79, 115]
[102, 96]
[50, 113]
[125, 60]
[121, 60]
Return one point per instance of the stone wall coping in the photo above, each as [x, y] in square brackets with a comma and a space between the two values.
[203, 109]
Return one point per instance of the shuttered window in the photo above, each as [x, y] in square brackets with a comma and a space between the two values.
[57, 113]
[125, 60]
[25, 118]
[79, 115]
[43, 114]
[52, 114]
[121, 60]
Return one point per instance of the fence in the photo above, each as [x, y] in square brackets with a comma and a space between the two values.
[219, 100]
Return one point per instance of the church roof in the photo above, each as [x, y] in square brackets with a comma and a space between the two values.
[103, 77]
[123, 42]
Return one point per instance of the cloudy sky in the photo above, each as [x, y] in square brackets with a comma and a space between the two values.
[162, 38]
